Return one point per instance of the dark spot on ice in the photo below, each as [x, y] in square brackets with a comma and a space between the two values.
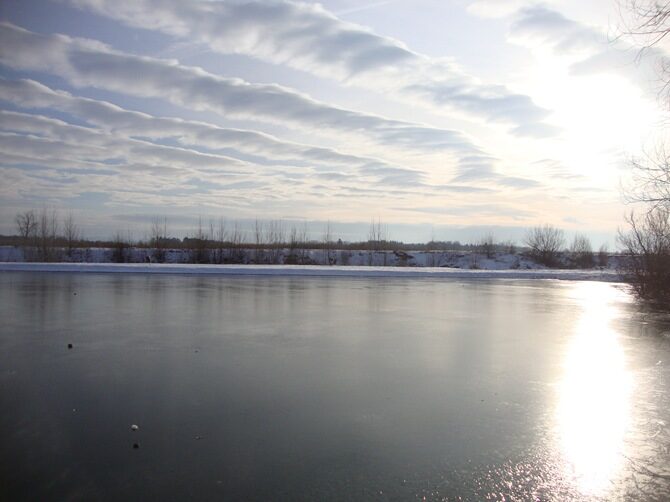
[69, 345]
[136, 446]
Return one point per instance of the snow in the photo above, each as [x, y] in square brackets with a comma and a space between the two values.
[313, 270]
[344, 263]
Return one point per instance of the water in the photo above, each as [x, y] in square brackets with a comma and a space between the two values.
[324, 388]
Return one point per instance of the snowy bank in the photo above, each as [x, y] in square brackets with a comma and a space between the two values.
[312, 270]
[339, 257]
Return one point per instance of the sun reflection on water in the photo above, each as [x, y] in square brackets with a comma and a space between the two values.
[593, 409]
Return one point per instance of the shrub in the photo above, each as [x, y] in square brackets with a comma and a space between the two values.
[581, 254]
[487, 246]
[120, 249]
[603, 256]
[545, 243]
[647, 249]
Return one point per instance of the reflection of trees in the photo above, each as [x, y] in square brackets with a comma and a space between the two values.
[650, 477]
[648, 461]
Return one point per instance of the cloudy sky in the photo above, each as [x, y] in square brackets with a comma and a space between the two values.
[430, 115]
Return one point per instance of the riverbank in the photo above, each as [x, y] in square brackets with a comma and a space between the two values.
[313, 270]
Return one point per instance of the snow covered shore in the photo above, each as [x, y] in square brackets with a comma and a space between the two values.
[312, 270]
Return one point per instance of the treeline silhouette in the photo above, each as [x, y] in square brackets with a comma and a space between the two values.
[43, 235]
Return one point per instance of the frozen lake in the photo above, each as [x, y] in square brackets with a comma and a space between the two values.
[308, 388]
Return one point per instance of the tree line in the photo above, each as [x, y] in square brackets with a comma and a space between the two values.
[44, 236]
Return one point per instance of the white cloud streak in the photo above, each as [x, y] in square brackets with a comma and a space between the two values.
[199, 164]
[89, 63]
[58, 138]
[116, 120]
[309, 38]
[327, 163]
[37, 149]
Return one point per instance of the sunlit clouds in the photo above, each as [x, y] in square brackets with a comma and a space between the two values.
[292, 110]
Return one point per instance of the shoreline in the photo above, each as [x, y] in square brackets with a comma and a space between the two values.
[312, 271]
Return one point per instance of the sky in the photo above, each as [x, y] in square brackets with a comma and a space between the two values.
[442, 119]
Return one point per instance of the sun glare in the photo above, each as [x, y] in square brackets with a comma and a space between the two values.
[601, 116]
[593, 409]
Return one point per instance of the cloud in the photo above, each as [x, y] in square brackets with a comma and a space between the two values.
[541, 24]
[495, 8]
[494, 102]
[46, 137]
[592, 51]
[536, 131]
[89, 63]
[557, 170]
[132, 171]
[309, 38]
[472, 210]
[142, 159]
[46, 148]
[115, 120]
[364, 6]
[480, 169]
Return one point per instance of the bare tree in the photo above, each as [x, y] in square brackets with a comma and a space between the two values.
[581, 253]
[647, 246]
[646, 23]
[327, 240]
[650, 182]
[487, 245]
[603, 256]
[120, 248]
[296, 246]
[473, 261]
[71, 233]
[292, 257]
[200, 242]
[275, 239]
[377, 240]
[647, 240]
[235, 242]
[545, 243]
[259, 240]
[509, 246]
[302, 244]
[219, 234]
[26, 224]
[47, 233]
[434, 257]
[158, 239]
